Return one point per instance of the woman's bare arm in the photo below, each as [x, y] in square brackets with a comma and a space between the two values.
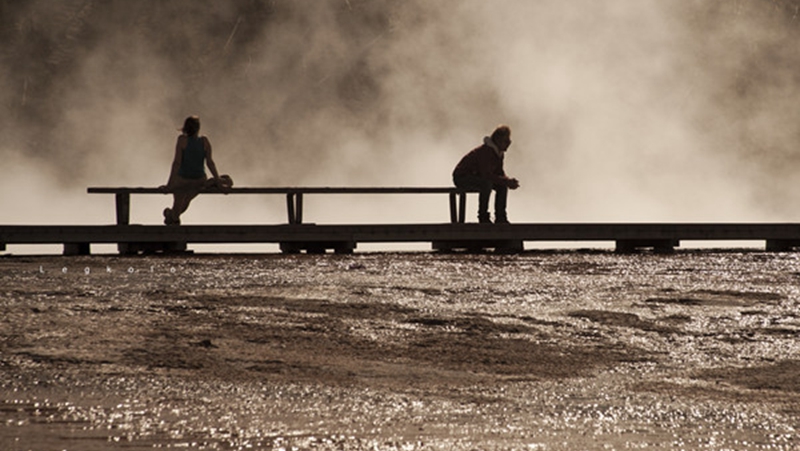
[176, 163]
[209, 160]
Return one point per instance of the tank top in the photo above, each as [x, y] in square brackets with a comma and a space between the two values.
[194, 159]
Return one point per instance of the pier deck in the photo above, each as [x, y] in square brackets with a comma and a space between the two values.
[345, 238]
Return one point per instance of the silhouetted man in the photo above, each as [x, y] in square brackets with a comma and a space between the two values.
[482, 169]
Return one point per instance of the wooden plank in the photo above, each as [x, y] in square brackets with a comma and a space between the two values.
[294, 196]
[291, 190]
[31, 234]
[344, 238]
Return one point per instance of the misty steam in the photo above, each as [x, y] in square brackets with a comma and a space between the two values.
[621, 110]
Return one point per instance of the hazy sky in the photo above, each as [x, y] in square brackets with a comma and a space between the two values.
[621, 110]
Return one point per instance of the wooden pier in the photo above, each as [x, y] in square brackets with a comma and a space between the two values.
[627, 237]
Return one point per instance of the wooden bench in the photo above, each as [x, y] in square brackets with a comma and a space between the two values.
[294, 197]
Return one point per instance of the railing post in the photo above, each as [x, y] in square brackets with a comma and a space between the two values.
[453, 209]
[290, 208]
[462, 207]
[123, 201]
[298, 211]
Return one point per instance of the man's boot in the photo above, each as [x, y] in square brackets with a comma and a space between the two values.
[484, 218]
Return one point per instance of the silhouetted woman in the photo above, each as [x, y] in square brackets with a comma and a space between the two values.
[188, 175]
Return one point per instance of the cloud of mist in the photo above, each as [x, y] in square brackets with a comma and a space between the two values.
[621, 110]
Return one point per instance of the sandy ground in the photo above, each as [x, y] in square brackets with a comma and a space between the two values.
[558, 350]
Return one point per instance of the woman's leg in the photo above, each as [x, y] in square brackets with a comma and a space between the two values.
[182, 196]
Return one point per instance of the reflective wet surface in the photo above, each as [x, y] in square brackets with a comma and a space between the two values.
[544, 350]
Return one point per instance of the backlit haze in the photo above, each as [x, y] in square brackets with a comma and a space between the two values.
[620, 110]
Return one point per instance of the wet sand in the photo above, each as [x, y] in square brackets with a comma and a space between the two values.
[545, 350]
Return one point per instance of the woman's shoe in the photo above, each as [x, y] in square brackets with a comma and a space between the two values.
[169, 217]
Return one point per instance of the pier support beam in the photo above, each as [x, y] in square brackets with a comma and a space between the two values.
[659, 245]
[317, 247]
[782, 245]
[151, 248]
[77, 249]
[500, 246]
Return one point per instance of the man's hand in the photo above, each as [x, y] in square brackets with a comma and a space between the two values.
[513, 183]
